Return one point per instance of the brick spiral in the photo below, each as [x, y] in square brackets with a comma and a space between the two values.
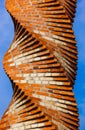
[41, 64]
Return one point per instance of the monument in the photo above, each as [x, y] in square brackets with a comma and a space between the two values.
[41, 65]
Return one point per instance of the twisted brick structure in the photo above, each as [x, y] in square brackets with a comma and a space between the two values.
[41, 64]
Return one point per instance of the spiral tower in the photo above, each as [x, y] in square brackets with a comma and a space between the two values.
[41, 65]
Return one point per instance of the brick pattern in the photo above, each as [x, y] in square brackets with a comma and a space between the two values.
[41, 65]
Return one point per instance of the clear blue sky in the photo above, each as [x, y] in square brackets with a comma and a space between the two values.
[6, 36]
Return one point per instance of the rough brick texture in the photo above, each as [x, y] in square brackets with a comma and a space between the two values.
[41, 65]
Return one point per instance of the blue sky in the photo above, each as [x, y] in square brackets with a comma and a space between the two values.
[6, 36]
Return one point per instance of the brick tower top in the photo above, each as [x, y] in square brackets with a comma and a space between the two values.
[41, 64]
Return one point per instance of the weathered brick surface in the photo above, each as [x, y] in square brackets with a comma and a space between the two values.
[41, 64]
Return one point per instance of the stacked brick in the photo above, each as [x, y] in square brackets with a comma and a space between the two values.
[41, 65]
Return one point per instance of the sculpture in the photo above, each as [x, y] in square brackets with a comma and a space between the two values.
[41, 65]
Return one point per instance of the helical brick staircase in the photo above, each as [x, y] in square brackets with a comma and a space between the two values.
[41, 64]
